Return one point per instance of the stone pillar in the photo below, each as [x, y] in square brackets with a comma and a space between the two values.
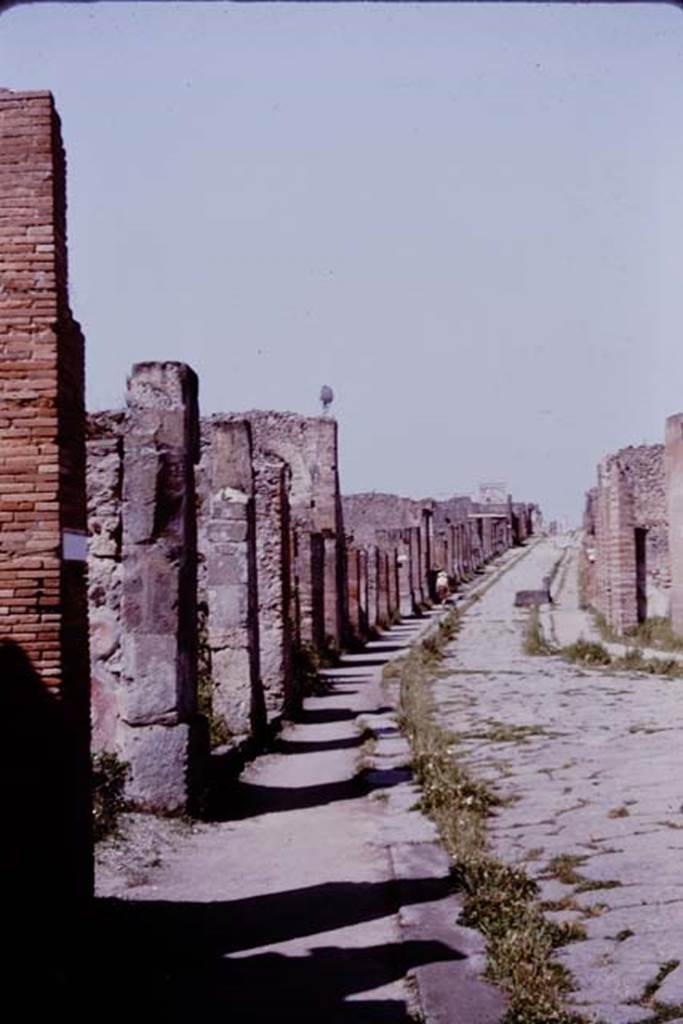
[392, 556]
[318, 580]
[363, 592]
[383, 588]
[46, 853]
[227, 545]
[487, 539]
[416, 567]
[427, 540]
[453, 567]
[332, 608]
[353, 591]
[674, 500]
[373, 586]
[277, 562]
[159, 599]
[405, 597]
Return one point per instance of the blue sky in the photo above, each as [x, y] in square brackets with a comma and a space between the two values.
[465, 218]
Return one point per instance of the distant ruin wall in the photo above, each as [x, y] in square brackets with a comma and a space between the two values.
[625, 565]
[308, 446]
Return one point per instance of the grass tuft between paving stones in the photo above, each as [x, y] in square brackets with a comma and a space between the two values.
[499, 900]
[661, 1011]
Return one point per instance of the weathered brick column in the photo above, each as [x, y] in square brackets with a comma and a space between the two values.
[159, 599]
[227, 547]
[674, 499]
[621, 550]
[603, 601]
[46, 851]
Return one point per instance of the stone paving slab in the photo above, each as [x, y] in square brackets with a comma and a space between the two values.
[595, 765]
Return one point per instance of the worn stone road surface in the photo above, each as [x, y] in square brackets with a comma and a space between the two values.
[595, 764]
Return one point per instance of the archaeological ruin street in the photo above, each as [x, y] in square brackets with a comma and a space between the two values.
[341, 615]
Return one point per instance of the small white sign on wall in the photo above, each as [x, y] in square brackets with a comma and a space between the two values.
[74, 546]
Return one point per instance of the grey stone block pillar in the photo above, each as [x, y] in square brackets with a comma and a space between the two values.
[159, 598]
[227, 542]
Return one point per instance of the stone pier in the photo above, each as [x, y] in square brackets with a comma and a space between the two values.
[159, 591]
[228, 580]
[274, 555]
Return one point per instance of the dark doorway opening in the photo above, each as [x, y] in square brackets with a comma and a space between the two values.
[641, 574]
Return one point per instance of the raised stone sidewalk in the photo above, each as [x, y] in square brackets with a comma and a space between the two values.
[322, 895]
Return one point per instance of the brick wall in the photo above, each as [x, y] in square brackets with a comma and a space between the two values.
[43, 614]
[629, 500]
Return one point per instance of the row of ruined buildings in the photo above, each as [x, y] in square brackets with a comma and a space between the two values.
[632, 554]
[166, 581]
[224, 564]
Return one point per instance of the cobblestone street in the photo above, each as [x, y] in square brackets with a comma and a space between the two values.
[592, 760]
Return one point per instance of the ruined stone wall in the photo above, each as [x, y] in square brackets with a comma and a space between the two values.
[366, 513]
[308, 446]
[626, 562]
[43, 613]
[645, 474]
[402, 528]
[105, 572]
